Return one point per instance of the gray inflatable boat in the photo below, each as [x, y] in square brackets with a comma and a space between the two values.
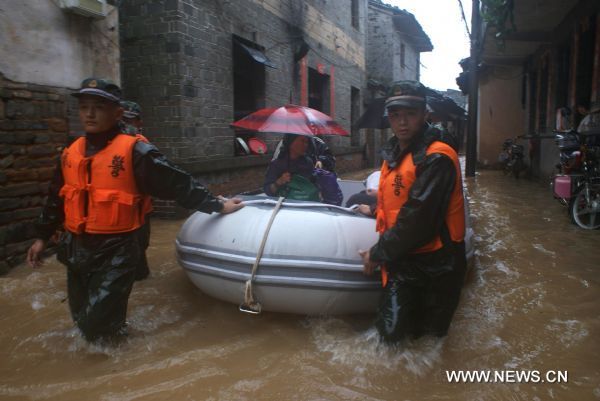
[309, 262]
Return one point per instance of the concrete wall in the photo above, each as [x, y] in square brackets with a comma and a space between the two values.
[500, 114]
[41, 43]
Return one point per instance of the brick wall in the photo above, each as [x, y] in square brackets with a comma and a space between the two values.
[232, 180]
[224, 182]
[384, 48]
[33, 128]
[177, 63]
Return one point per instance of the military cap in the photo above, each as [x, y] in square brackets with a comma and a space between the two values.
[410, 94]
[132, 109]
[99, 87]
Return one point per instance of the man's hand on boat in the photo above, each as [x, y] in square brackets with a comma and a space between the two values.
[230, 205]
[368, 265]
[34, 255]
[365, 209]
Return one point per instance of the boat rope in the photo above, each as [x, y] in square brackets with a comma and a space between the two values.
[251, 305]
[309, 205]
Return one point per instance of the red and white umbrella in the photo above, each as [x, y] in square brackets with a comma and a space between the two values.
[290, 119]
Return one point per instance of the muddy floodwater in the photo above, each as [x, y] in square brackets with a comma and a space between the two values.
[531, 304]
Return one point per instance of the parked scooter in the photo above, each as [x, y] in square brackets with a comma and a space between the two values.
[577, 184]
[570, 153]
[512, 157]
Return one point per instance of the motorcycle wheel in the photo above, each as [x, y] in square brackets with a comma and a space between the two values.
[584, 208]
[517, 167]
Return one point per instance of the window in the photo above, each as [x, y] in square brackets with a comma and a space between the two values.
[354, 10]
[248, 79]
[402, 55]
[564, 68]
[532, 101]
[354, 115]
[249, 64]
[318, 91]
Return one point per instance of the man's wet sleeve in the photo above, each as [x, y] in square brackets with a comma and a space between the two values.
[420, 219]
[155, 175]
[53, 212]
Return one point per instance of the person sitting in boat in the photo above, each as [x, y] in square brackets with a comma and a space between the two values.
[293, 174]
[317, 151]
[367, 199]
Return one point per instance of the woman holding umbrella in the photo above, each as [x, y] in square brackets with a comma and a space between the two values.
[292, 173]
[292, 163]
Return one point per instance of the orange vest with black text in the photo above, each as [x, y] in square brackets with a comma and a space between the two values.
[394, 187]
[100, 194]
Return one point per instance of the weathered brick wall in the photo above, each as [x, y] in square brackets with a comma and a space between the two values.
[224, 182]
[383, 49]
[33, 129]
[379, 41]
[349, 161]
[177, 63]
[234, 181]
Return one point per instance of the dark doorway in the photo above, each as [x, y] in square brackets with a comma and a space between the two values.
[534, 150]
[543, 99]
[248, 79]
[585, 66]
[318, 91]
[532, 101]
[564, 68]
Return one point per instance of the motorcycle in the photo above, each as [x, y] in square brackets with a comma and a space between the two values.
[569, 146]
[512, 157]
[577, 184]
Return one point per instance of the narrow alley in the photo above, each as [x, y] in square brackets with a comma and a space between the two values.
[530, 304]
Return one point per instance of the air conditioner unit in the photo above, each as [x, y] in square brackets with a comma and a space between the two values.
[88, 8]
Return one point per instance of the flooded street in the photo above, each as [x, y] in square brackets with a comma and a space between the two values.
[531, 303]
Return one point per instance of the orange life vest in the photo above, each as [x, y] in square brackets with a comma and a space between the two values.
[100, 193]
[142, 138]
[394, 187]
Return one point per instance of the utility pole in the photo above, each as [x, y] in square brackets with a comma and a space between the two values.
[473, 91]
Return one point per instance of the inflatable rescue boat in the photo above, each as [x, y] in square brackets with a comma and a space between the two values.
[301, 258]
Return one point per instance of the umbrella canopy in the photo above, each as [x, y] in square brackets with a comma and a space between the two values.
[374, 117]
[290, 119]
[442, 107]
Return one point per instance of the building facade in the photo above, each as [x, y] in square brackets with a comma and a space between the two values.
[395, 41]
[551, 62]
[196, 66]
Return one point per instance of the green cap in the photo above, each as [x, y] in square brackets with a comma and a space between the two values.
[99, 87]
[132, 109]
[410, 94]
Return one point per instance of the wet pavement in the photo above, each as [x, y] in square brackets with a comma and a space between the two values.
[531, 303]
